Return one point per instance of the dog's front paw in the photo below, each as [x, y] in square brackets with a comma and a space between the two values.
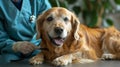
[36, 60]
[107, 57]
[61, 61]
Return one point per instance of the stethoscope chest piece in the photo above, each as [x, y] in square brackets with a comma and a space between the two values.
[32, 18]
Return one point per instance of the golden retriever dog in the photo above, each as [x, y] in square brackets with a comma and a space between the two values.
[67, 41]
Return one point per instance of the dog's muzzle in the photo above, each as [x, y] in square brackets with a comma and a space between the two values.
[57, 39]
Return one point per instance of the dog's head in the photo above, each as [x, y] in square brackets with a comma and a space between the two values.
[56, 25]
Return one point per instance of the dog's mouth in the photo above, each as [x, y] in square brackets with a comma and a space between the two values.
[58, 41]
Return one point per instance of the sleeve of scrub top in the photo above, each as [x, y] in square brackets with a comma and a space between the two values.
[44, 6]
[5, 41]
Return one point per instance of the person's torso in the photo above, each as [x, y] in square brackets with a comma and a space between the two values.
[17, 22]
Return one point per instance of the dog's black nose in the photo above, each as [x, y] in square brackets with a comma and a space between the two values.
[58, 30]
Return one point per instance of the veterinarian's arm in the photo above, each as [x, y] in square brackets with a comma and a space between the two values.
[7, 45]
[5, 41]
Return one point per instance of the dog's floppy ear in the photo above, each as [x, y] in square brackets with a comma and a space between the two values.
[39, 24]
[75, 26]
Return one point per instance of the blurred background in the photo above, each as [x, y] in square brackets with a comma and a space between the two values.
[93, 13]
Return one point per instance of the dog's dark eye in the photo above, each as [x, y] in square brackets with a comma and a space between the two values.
[50, 18]
[65, 19]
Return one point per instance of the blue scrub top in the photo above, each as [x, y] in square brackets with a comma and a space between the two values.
[15, 24]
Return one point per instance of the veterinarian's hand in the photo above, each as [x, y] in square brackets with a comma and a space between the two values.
[24, 47]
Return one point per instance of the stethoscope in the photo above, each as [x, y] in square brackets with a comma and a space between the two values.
[33, 10]
[32, 18]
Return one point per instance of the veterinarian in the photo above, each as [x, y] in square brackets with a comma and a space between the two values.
[17, 27]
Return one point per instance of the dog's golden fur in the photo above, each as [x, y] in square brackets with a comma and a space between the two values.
[82, 44]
